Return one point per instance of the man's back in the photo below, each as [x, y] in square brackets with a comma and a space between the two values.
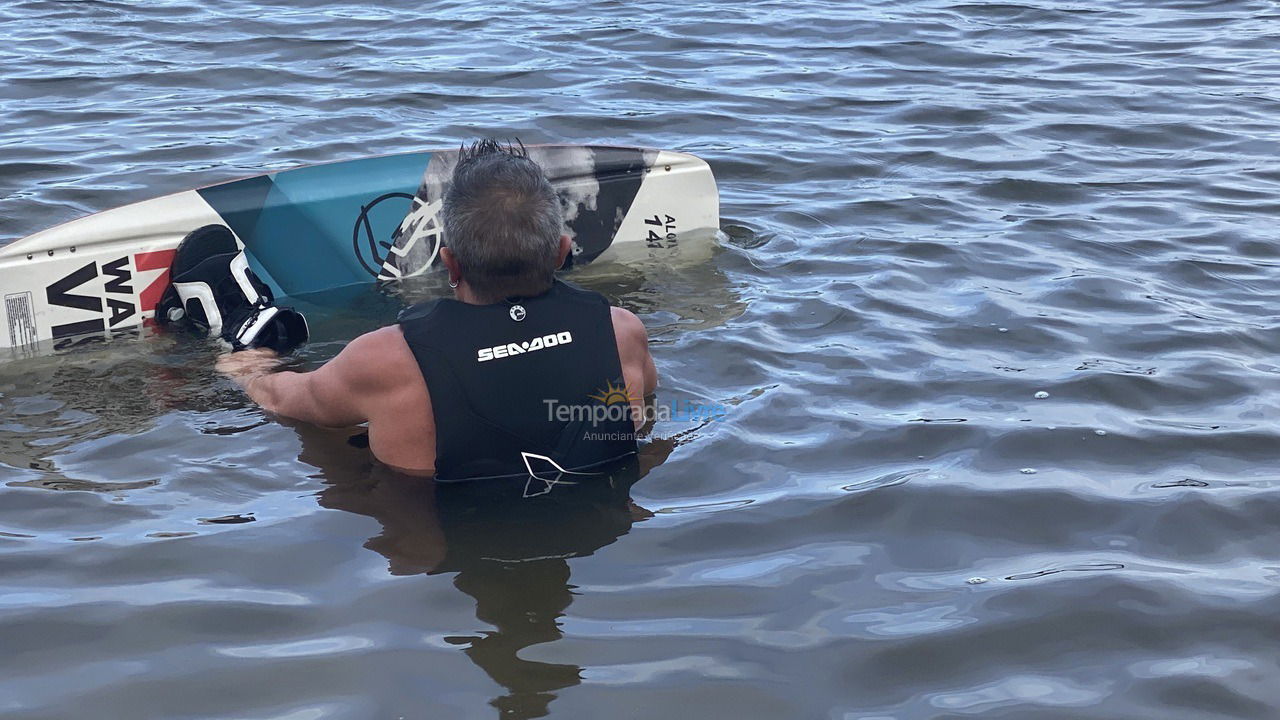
[498, 375]
[377, 379]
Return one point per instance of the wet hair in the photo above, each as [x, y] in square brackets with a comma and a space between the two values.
[502, 221]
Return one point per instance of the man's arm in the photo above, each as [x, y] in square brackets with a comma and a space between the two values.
[338, 394]
[638, 369]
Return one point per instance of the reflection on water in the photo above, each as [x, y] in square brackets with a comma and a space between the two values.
[107, 401]
[506, 543]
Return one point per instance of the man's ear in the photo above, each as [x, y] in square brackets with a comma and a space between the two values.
[566, 247]
[451, 264]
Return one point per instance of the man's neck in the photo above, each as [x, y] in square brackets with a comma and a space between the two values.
[463, 293]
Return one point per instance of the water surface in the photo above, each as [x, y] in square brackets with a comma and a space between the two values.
[932, 210]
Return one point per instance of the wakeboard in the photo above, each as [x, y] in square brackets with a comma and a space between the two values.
[321, 227]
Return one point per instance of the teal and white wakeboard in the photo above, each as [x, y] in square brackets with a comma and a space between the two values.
[321, 227]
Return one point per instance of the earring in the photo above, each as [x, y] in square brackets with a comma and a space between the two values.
[453, 284]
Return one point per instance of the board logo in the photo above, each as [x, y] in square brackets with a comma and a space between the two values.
[371, 252]
[388, 260]
[115, 301]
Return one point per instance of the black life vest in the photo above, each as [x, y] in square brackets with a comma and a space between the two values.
[525, 386]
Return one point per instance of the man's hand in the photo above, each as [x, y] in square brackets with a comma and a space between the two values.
[246, 365]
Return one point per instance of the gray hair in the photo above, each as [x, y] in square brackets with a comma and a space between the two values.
[502, 221]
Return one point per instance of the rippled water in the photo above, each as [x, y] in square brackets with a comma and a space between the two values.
[933, 212]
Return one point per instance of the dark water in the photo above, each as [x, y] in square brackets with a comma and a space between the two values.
[933, 210]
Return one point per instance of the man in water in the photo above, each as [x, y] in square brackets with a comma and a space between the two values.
[501, 380]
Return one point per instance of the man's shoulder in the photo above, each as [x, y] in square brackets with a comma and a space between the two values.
[627, 328]
[380, 352]
[382, 339]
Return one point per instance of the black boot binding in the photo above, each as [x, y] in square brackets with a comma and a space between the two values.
[213, 290]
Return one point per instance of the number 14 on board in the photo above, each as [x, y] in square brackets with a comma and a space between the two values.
[667, 226]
